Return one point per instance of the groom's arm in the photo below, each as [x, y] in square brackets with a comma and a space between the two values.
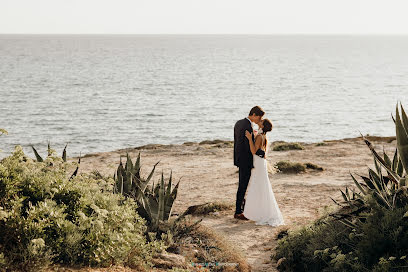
[239, 135]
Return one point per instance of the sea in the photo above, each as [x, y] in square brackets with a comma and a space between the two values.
[101, 93]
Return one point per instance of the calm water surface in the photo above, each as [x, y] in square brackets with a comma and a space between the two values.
[102, 93]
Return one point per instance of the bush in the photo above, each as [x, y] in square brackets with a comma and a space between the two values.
[321, 144]
[207, 208]
[287, 146]
[329, 245]
[47, 218]
[369, 232]
[313, 166]
[290, 167]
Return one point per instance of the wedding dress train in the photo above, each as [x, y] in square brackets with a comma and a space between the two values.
[260, 204]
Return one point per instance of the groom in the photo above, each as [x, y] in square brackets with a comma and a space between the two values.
[243, 157]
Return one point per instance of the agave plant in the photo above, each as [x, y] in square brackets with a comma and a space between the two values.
[386, 184]
[128, 181]
[49, 152]
[64, 157]
[158, 202]
[154, 203]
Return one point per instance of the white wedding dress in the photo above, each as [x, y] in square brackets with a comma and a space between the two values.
[260, 204]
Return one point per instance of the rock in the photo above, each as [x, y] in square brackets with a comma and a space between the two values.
[150, 146]
[169, 260]
[214, 142]
[189, 143]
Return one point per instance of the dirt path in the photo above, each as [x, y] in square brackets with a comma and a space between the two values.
[208, 175]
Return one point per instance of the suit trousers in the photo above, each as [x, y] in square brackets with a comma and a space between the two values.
[244, 176]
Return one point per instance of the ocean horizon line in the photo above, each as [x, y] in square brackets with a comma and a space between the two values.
[213, 34]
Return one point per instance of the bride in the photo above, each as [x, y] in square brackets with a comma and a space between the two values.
[260, 204]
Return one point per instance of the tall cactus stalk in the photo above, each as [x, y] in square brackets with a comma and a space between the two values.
[401, 127]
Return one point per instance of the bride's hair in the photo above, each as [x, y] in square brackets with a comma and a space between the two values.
[267, 126]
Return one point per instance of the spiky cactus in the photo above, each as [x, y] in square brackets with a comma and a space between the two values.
[386, 184]
[158, 201]
[64, 157]
[49, 153]
[128, 181]
[154, 203]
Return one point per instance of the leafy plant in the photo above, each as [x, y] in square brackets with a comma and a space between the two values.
[369, 232]
[46, 218]
[3, 131]
[128, 180]
[386, 183]
[157, 202]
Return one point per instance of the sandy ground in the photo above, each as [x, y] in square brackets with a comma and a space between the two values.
[207, 174]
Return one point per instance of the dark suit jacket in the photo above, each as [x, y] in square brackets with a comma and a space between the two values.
[242, 152]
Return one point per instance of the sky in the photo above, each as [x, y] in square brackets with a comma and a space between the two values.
[204, 16]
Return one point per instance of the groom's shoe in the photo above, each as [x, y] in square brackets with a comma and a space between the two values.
[240, 216]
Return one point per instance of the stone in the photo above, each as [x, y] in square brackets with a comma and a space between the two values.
[169, 260]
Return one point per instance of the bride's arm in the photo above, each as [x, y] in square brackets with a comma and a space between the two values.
[253, 146]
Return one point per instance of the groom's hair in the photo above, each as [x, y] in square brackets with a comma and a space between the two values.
[257, 110]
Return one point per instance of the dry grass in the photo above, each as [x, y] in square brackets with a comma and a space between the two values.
[200, 245]
[207, 208]
[321, 144]
[287, 146]
[57, 268]
[215, 248]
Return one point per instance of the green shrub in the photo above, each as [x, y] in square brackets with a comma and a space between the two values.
[47, 218]
[287, 146]
[327, 245]
[2, 131]
[290, 167]
[313, 166]
[369, 231]
[321, 144]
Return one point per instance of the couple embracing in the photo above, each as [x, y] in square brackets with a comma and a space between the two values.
[249, 156]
